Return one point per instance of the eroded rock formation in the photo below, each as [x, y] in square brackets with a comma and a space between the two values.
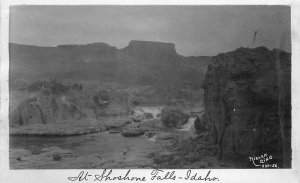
[51, 101]
[248, 103]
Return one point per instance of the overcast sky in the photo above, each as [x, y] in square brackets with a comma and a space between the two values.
[195, 30]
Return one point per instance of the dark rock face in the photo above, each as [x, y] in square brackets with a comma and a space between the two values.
[200, 124]
[248, 102]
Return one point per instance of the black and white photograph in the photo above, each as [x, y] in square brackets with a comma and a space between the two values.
[148, 86]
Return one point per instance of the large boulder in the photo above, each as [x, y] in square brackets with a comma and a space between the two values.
[248, 102]
[172, 117]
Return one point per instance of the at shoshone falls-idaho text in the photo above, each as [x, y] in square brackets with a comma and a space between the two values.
[156, 174]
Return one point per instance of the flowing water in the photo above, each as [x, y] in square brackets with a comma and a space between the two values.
[154, 110]
[154, 138]
[190, 125]
[101, 150]
[97, 150]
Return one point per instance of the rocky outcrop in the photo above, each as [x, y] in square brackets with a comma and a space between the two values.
[46, 102]
[44, 109]
[248, 103]
[51, 101]
[133, 133]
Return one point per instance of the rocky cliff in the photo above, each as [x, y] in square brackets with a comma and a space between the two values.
[141, 62]
[248, 103]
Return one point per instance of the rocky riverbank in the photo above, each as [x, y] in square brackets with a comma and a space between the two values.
[71, 128]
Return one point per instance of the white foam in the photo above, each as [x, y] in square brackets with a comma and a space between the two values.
[154, 110]
[190, 125]
[154, 138]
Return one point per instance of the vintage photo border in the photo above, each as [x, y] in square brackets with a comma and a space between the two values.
[224, 175]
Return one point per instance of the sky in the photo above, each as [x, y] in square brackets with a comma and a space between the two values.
[195, 30]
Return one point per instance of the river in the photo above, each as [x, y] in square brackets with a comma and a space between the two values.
[101, 150]
[96, 150]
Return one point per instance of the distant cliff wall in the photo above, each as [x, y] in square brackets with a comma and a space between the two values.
[141, 62]
[248, 102]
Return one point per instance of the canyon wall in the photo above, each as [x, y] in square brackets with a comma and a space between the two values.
[140, 63]
[248, 103]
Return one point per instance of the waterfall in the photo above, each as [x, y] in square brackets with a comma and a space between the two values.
[190, 125]
[154, 138]
[151, 135]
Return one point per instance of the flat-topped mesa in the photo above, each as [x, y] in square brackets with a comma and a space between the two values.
[146, 47]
